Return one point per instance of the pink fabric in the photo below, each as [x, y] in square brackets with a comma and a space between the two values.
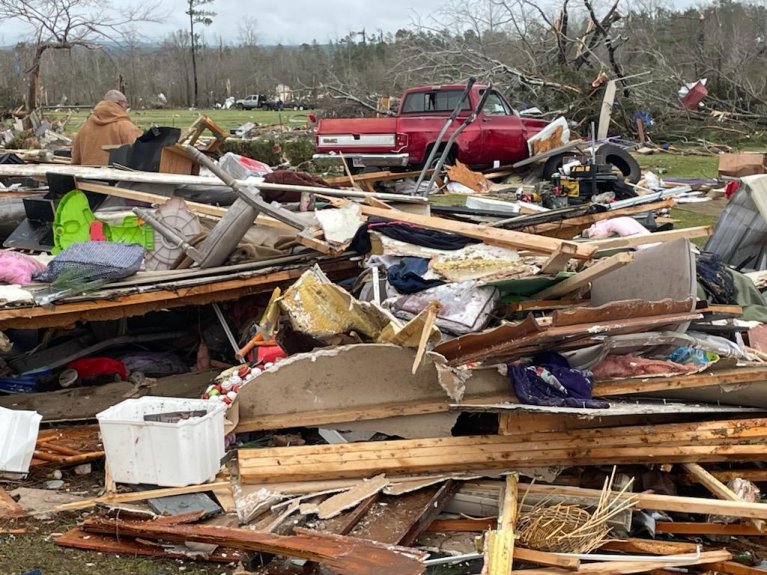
[617, 226]
[16, 268]
[633, 366]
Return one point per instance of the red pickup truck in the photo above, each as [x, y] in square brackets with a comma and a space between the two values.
[498, 134]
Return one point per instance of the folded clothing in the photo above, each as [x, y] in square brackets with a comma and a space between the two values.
[94, 261]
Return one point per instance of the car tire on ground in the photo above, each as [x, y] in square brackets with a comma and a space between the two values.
[621, 159]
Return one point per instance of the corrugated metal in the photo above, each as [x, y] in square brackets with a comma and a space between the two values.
[741, 232]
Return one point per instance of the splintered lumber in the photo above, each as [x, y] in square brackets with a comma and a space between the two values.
[429, 512]
[9, 508]
[711, 441]
[335, 504]
[510, 341]
[641, 240]
[716, 487]
[499, 543]
[673, 503]
[636, 385]
[734, 568]
[695, 528]
[575, 225]
[627, 567]
[461, 525]
[344, 555]
[650, 546]
[584, 278]
[77, 538]
[486, 234]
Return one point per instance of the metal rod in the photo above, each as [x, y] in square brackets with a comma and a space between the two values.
[469, 119]
[227, 331]
[448, 123]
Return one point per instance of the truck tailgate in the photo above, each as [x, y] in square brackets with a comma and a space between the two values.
[357, 133]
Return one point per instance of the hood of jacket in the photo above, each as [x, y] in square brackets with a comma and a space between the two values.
[108, 112]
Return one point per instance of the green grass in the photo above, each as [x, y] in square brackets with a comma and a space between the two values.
[183, 118]
[22, 553]
[672, 165]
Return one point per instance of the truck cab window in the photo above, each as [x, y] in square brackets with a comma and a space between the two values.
[496, 106]
[434, 101]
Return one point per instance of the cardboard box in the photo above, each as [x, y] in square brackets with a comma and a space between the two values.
[745, 164]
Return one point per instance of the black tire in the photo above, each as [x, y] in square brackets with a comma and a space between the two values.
[450, 159]
[553, 164]
[621, 159]
[239, 106]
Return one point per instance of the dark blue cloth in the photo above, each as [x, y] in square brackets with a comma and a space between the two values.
[406, 276]
[409, 233]
[553, 383]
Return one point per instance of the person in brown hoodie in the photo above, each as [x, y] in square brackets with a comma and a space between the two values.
[108, 125]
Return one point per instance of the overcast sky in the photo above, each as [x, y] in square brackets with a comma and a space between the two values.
[281, 21]
[298, 21]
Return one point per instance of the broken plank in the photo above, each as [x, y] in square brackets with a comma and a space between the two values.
[486, 234]
[461, 525]
[650, 547]
[118, 307]
[335, 504]
[391, 518]
[76, 538]
[558, 261]
[627, 567]
[641, 240]
[630, 386]
[585, 277]
[674, 503]
[734, 568]
[342, 554]
[700, 528]
[429, 512]
[499, 543]
[9, 508]
[579, 223]
[344, 524]
[364, 413]
[141, 496]
[717, 488]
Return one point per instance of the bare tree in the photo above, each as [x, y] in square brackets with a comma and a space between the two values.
[197, 15]
[65, 24]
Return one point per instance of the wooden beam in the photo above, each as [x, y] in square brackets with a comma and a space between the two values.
[582, 222]
[558, 261]
[499, 543]
[429, 512]
[628, 567]
[636, 385]
[636, 241]
[364, 413]
[116, 307]
[486, 234]
[344, 555]
[695, 528]
[461, 525]
[584, 278]
[650, 547]
[734, 568]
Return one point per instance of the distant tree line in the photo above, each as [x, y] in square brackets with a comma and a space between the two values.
[555, 58]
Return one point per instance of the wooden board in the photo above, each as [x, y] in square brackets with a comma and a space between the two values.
[486, 234]
[635, 241]
[76, 538]
[695, 528]
[390, 519]
[584, 278]
[344, 555]
[9, 509]
[638, 385]
[671, 443]
[118, 307]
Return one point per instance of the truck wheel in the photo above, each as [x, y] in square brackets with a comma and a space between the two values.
[553, 164]
[621, 159]
[449, 159]
[239, 106]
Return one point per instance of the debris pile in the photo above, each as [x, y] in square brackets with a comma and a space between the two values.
[311, 373]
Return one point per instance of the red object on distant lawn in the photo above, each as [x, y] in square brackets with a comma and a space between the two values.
[694, 96]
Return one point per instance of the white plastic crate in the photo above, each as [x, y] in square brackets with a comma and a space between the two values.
[19, 431]
[187, 452]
